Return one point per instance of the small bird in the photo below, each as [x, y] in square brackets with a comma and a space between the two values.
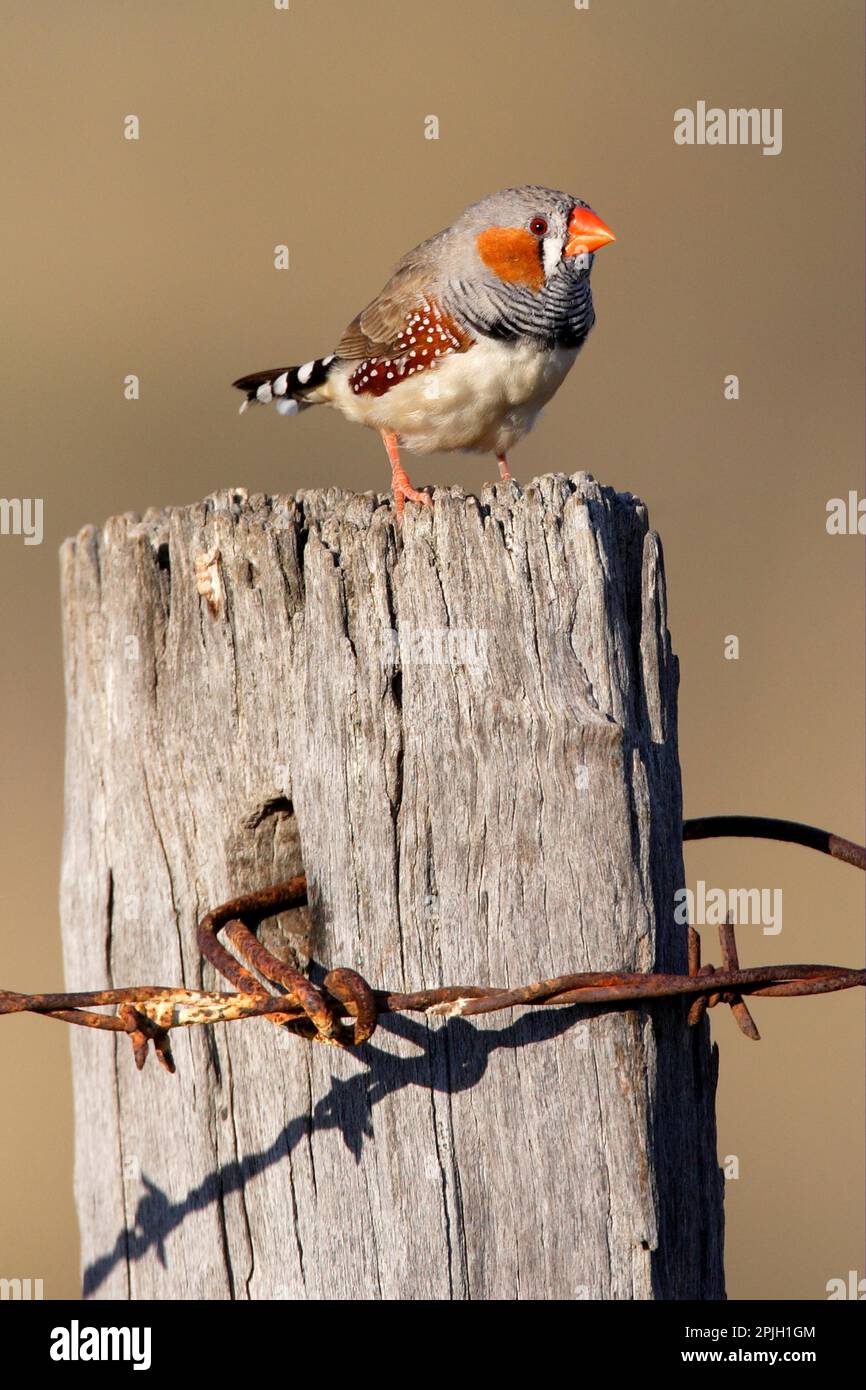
[471, 336]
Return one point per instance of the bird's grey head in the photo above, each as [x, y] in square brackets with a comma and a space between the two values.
[526, 236]
[517, 264]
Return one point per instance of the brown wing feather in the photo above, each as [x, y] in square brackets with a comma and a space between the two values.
[377, 330]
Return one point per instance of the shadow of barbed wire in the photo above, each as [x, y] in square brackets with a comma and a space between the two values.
[452, 1058]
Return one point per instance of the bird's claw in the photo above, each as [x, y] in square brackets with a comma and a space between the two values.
[410, 494]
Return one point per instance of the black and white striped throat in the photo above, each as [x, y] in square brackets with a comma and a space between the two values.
[559, 315]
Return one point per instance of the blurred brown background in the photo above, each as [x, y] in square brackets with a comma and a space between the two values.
[306, 127]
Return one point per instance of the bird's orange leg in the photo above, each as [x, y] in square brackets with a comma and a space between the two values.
[400, 485]
[504, 470]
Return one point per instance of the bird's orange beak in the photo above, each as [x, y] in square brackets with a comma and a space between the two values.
[586, 232]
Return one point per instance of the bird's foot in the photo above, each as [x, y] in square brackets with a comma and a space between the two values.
[404, 492]
[400, 486]
[504, 470]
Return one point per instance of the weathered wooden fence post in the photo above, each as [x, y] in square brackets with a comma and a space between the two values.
[493, 796]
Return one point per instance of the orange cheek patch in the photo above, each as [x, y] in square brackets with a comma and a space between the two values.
[513, 255]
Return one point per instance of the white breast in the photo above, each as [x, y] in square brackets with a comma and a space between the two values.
[482, 400]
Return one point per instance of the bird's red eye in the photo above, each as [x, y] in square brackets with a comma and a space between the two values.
[538, 226]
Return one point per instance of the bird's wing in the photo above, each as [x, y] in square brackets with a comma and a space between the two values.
[378, 329]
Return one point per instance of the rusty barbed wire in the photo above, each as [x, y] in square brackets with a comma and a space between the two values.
[146, 1013]
[769, 828]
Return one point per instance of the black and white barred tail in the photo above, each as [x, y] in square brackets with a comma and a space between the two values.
[288, 387]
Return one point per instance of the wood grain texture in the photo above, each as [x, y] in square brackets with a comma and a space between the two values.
[491, 797]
